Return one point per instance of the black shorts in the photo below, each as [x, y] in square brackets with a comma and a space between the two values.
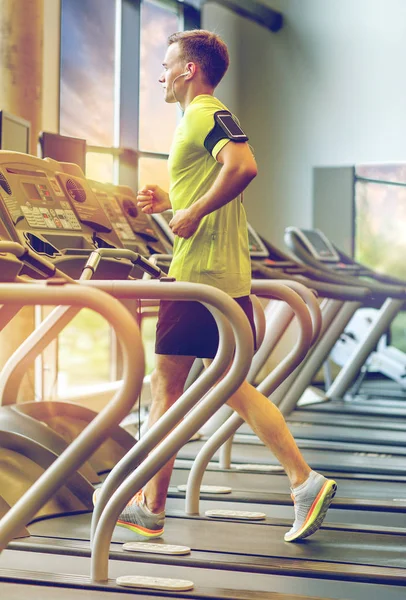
[189, 329]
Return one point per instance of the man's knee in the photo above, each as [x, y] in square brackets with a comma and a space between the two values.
[164, 383]
[169, 375]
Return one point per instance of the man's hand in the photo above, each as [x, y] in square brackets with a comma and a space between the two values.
[153, 199]
[184, 224]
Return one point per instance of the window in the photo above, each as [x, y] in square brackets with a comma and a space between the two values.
[111, 60]
[84, 352]
[157, 24]
[380, 224]
[153, 170]
[380, 197]
[87, 70]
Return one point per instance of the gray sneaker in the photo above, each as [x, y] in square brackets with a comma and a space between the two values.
[138, 518]
[311, 500]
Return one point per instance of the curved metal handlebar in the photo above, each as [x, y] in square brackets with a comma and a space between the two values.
[94, 434]
[271, 289]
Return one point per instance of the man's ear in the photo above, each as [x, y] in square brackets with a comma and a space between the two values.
[191, 67]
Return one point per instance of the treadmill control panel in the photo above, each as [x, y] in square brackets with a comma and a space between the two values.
[50, 207]
[256, 245]
[37, 199]
[113, 210]
[317, 244]
[137, 231]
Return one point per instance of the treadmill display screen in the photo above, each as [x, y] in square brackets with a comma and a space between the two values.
[321, 248]
[256, 246]
[31, 191]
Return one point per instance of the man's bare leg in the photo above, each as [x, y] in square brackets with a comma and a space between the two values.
[167, 384]
[312, 493]
[268, 424]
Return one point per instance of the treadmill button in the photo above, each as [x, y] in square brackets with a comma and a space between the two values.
[235, 514]
[155, 548]
[208, 489]
[155, 583]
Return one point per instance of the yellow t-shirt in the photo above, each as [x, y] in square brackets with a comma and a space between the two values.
[218, 253]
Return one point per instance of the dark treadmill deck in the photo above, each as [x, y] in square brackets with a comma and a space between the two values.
[350, 485]
[307, 415]
[347, 433]
[226, 585]
[338, 460]
[332, 444]
[17, 591]
[359, 407]
[269, 493]
[361, 553]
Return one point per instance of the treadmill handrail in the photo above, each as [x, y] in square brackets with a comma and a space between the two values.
[380, 290]
[380, 277]
[172, 417]
[271, 339]
[94, 434]
[324, 283]
[134, 257]
[267, 386]
[27, 256]
[309, 298]
[17, 364]
[211, 297]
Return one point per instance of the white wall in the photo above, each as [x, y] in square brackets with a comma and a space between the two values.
[226, 24]
[328, 89]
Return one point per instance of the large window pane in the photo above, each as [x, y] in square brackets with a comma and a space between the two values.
[157, 119]
[84, 352]
[153, 170]
[380, 226]
[87, 70]
[99, 166]
[380, 240]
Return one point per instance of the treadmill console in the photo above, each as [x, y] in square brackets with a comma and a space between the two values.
[316, 243]
[49, 207]
[143, 225]
[107, 198]
[136, 230]
[256, 245]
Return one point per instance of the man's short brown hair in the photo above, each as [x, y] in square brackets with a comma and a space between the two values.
[206, 49]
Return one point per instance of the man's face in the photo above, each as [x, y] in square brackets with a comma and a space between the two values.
[173, 66]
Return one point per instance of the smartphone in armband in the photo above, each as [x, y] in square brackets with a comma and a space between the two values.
[230, 126]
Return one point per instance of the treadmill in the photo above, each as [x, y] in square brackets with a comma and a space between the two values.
[10, 557]
[50, 209]
[285, 512]
[240, 548]
[312, 247]
[300, 570]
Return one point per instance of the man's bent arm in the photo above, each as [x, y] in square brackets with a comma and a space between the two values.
[239, 168]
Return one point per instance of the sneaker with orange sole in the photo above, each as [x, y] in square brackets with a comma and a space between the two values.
[138, 518]
[312, 500]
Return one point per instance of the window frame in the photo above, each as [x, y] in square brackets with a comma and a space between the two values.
[125, 151]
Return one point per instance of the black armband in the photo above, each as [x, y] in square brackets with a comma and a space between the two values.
[226, 127]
